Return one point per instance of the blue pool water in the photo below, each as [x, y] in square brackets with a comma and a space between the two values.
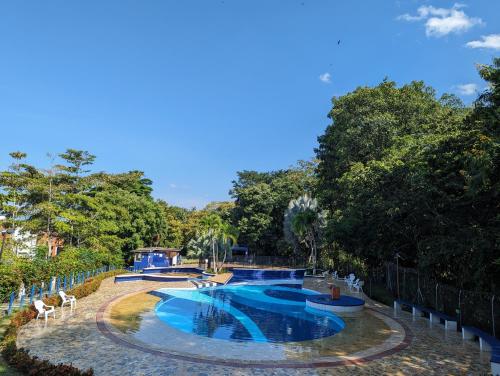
[247, 313]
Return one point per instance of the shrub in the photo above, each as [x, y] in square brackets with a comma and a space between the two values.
[9, 281]
[40, 269]
[20, 358]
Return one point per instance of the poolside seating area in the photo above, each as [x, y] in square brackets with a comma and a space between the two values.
[434, 316]
[27, 295]
[486, 342]
[67, 299]
[353, 283]
[44, 309]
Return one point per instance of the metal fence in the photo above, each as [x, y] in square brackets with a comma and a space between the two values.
[471, 308]
[23, 297]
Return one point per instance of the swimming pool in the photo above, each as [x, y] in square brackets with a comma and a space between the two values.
[252, 313]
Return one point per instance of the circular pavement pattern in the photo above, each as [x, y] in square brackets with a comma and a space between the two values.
[399, 338]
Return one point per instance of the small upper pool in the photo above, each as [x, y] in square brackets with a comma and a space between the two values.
[257, 313]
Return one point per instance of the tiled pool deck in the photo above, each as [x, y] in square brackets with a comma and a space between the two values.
[78, 338]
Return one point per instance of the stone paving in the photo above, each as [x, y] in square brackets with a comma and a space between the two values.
[131, 320]
[75, 338]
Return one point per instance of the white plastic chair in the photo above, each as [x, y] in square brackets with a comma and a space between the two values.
[349, 279]
[67, 299]
[358, 286]
[352, 281]
[44, 309]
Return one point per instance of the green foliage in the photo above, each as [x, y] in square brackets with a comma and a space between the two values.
[403, 171]
[220, 236]
[183, 225]
[199, 247]
[398, 170]
[111, 213]
[261, 201]
[224, 209]
[175, 219]
[20, 358]
[303, 223]
[10, 281]
[15, 270]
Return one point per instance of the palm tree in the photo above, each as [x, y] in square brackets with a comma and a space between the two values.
[199, 247]
[221, 236]
[302, 224]
[228, 236]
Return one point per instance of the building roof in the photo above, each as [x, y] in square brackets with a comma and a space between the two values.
[155, 249]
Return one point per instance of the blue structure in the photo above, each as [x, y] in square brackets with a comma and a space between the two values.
[268, 276]
[155, 257]
[162, 274]
[172, 269]
[324, 302]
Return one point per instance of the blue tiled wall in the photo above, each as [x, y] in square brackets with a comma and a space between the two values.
[152, 260]
[241, 275]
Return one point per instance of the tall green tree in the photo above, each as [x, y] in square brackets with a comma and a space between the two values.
[112, 213]
[403, 171]
[13, 182]
[261, 199]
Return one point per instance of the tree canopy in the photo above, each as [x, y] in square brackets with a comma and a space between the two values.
[403, 171]
[398, 170]
[261, 199]
[112, 213]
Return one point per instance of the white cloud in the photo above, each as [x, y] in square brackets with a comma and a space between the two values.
[326, 77]
[172, 185]
[442, 21]
[487, 41]
[467, 89]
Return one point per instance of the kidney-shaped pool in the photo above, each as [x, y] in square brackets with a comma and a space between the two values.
[247, 313]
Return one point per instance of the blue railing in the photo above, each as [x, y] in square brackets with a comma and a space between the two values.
[52, 287]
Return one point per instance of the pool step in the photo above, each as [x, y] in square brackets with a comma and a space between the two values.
[203, 284]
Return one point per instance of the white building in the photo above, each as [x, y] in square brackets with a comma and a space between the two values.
[24, 243]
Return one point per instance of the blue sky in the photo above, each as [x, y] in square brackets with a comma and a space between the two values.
[192, 91]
